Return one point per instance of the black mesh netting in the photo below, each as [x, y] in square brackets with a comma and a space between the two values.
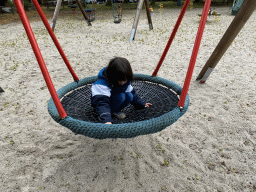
[77, 103]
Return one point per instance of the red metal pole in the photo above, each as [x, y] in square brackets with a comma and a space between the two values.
[194, 53]
[175, 29]
[50, 31]
[39, 58]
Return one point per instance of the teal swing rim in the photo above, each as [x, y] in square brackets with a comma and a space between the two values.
[125, 130]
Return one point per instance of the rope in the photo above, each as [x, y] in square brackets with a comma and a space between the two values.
[77, 103]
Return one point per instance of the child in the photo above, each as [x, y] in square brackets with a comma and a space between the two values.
[112, 92]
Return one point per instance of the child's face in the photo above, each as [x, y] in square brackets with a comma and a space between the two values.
[122, 82]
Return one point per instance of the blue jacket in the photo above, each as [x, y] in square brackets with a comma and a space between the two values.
[101, 93]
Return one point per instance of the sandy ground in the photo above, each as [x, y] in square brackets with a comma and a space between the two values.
[211, 148]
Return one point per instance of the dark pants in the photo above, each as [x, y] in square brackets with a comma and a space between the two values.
[120, 101]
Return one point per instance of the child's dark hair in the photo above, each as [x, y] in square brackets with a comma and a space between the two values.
[119, 69]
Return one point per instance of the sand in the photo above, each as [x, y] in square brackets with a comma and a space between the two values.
[210, 148]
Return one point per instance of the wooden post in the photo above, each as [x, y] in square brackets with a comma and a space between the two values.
[148, 15]
[83, 12]
[136, 20]
[235, 27]
[56, 13]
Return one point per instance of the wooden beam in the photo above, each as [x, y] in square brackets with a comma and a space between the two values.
[235, 27]
[56, 13]
[136, 20]
[148, 15]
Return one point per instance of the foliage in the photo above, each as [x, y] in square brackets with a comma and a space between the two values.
[153, 2]
[27, 4]
[83, 3]
[9, 3]
[109, 3]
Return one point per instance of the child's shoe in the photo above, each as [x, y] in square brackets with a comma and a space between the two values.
[119, 115]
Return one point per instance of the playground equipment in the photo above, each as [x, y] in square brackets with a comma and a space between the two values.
[178, 3]
[117, 7]
[57, 9]
[76, 96]
[237, 4]
[73, 7]
[235, 27]
[160, 8]
[151, 11]
[212, 13]
[90, 10]
[55, 15]
[137, 16]
[191, 6]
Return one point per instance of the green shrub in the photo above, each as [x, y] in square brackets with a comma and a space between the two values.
[27, 5]
[108, 3]
[9, 3]
[83, 4]
[153, 2]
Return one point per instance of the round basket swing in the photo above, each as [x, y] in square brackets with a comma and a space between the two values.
[71, 105]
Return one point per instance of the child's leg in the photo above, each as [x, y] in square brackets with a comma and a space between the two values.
[128, 100]
[120, 101]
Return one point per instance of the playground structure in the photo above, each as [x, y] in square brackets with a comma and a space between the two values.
[126, 130]
[90, 10]
[161, 8]
[137, 16]
[212, 13]
[191, 6]
[235, 27]
[73, 7]
[237, 4]
[57, 9]
[117, 8]
[49, 4]
[94, 129]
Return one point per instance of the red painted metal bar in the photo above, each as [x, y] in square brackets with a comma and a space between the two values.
[194, 53]
[39, 58]
[50, 31]
[175, 29]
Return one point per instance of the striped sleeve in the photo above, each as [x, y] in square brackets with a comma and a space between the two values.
[129, 88]
[98, 89]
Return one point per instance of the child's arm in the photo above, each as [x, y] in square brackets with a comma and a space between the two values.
[137, 102]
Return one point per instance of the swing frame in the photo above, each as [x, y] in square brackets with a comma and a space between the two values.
[128, 129]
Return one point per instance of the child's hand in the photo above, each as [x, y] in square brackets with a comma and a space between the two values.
[108, 123]
[148, 104]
